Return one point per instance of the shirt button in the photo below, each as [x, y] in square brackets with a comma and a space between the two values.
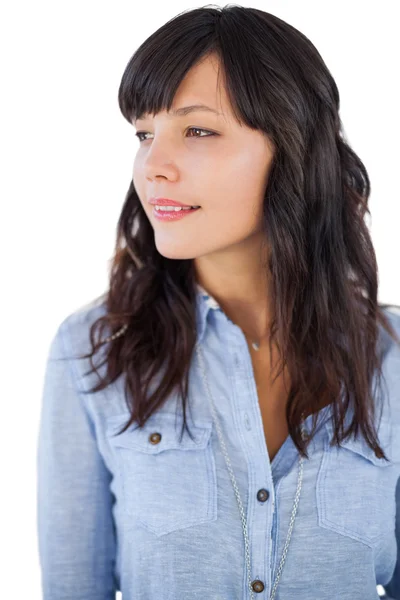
[246, 421]
[155, 438]
[257, 585]
[262, 495]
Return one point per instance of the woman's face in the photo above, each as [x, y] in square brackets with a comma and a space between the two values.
[225, 174]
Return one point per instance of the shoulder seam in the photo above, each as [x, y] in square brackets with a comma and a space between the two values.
[74, 375]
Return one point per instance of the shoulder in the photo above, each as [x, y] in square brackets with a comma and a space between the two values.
[393, 312]
[391, 378]
[75, 326]
[71, 337]
[78, 323]
[391, 348]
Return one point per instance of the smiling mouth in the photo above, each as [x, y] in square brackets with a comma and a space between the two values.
[174, 213]
[174, 208]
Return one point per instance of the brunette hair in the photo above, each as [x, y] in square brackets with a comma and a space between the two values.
[322, 265]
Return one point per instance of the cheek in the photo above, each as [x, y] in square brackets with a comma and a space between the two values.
[244, 216]
[136, 174]
[138, 181]
[242, 196]
[242, 177]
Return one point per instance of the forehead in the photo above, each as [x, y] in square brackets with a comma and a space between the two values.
[202, 90]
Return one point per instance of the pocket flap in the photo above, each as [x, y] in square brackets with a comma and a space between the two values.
[360, 446]
[163, 423]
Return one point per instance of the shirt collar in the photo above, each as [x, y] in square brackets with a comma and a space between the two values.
[205, 303]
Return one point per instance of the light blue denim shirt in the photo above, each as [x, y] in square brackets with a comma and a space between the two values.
[161, 521]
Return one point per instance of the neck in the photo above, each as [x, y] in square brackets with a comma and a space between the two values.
[245, 301]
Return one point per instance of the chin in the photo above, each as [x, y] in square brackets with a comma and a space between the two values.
[176, 253]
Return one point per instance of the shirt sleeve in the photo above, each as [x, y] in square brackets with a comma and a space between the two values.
[392, 589]
[75, 526]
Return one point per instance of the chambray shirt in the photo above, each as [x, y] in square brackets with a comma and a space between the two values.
[161, 520]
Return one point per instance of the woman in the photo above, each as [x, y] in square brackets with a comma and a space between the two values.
[254, 306]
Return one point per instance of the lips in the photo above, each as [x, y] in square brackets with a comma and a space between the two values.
[173, 215]
[169, 202]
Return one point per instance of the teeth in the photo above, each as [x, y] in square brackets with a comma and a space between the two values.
[174, 208]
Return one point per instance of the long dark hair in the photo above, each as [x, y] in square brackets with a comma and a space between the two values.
[322, 265]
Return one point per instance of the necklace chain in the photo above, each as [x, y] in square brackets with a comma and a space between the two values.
[120, 332]
[237, 494]
[254, 343]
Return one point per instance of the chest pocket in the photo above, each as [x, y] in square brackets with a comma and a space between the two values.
[356, 490]
[167, 483]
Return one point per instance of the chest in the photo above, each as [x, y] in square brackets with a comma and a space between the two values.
[272, 399]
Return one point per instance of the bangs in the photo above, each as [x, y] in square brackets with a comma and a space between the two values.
[264, 64]
[155, 71]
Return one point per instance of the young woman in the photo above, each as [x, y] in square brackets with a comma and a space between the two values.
[243, 307]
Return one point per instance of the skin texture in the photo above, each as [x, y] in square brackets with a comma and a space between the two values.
[226, 175]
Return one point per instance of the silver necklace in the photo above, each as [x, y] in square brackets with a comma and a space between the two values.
[120, 332]
[237, 494]
[255, 345]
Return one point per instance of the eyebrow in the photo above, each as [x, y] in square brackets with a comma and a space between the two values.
[185, 110]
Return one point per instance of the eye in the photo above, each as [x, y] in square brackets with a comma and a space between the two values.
[209, 133]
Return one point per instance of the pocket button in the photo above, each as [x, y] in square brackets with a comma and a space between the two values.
[168, 483]
[155, 438]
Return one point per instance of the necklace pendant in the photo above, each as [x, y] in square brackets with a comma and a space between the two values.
[255, 345]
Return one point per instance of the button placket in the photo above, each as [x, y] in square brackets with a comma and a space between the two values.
[243, 376]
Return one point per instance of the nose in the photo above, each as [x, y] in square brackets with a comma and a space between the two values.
[158, 161]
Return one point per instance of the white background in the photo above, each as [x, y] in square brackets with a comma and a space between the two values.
[66, 163]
